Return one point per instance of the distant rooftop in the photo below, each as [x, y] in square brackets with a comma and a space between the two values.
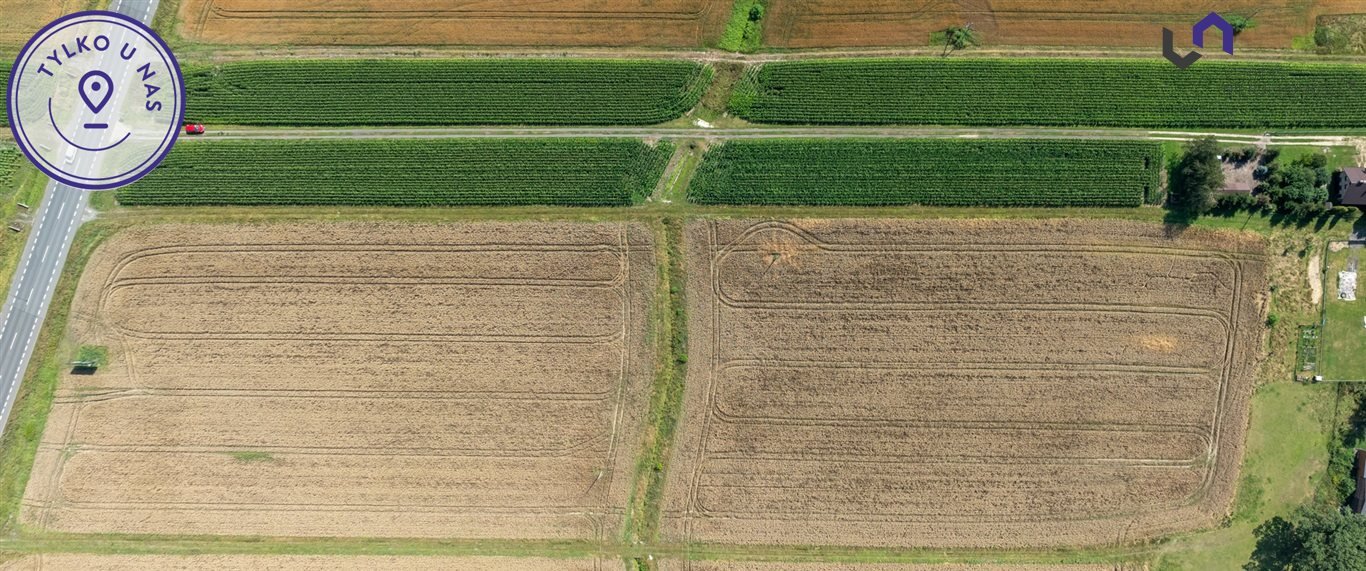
[1353, 190]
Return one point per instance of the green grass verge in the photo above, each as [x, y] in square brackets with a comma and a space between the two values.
[405, 172]
[1342, 341]
[666, 398]
[564, 91]
[745, 29]
[19, 183]
[1055, 92]
[52, 352]
[678, 179]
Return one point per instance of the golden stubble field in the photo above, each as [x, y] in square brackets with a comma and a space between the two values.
[962, 383]
[23, 18]
[480, 380]
[664, 23]
[86, 562]
[851, 23]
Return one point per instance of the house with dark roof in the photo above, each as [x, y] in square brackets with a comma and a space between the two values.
[1352, 187]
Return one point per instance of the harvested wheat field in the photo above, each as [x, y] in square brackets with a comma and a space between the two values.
[23, 18]
[300, 563]
[850, 23]
[664, 23]
[349, 379]
[986, 384]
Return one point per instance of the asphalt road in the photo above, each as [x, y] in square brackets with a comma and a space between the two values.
[55, 223]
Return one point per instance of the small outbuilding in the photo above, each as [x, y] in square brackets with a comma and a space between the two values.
[1352, 187]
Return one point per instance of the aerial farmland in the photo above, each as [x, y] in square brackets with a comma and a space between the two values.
[832, 23]
[501, 367]
[679, 23]
[698, 285]
[962, 384]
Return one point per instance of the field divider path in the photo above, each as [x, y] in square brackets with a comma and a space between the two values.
[811, 132]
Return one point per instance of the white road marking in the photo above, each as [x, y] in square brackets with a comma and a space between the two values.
[40, 245]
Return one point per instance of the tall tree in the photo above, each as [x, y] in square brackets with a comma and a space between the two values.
[958, 38]
[1198, 176]
[1311, 540]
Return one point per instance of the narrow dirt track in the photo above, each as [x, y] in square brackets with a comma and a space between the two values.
[768, 133]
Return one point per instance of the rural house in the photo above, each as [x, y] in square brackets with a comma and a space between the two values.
[1352, 187]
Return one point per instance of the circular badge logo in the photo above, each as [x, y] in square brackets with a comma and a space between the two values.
[96, 100]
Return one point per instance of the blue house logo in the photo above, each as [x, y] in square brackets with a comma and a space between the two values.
[1213, 20]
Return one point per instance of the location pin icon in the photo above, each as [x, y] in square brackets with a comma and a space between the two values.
[95, 88]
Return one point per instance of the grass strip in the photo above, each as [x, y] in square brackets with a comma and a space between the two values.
[744, 30]
[28, 418]
[666, 399]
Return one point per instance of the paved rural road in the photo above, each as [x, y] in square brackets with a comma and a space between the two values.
[55, 223]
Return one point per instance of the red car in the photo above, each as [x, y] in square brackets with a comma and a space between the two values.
[194, 129]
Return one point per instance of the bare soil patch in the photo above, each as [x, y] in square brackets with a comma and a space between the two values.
[962, 383]
[661, 23]
[479, 380]
[1316, 279]
[867, 23]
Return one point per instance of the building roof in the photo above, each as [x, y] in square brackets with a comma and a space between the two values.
[1353, 190]
[1239, 187]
